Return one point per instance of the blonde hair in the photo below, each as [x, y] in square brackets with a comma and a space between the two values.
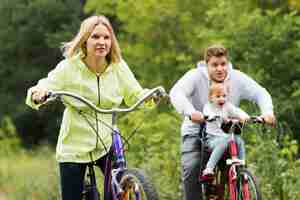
[216, 50]
[78, 43]
[216, 87]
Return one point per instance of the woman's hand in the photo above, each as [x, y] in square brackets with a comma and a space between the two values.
[39, 94]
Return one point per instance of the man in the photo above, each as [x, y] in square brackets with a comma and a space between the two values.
[189, 96]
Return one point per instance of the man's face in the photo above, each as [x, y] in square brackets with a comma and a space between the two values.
[217, 68]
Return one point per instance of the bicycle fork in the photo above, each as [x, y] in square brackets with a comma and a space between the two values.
[233, 175]
[120, 163]
[117, 187]
[245, 189]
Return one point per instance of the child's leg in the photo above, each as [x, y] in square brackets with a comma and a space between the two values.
[241, 147]
[218, 145]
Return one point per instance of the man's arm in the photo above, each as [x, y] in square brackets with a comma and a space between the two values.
[180, 93]
[252, 91]
[237, 112]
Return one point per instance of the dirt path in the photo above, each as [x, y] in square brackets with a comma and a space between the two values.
[2, 196]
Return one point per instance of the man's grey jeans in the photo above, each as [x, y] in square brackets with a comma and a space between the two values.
[190, 161]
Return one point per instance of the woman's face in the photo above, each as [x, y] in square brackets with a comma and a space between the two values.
[219, 97]
[98, 45]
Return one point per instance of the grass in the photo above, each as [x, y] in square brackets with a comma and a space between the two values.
[28, 175]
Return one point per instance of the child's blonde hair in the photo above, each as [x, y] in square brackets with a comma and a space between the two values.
[216, 87]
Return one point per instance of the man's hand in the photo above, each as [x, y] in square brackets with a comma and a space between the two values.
[197, 117]
[269, 119]
[244, 119]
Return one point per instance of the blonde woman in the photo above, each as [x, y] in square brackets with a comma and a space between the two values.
[93, 68]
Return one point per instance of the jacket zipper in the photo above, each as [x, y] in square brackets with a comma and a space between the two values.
[98, 87]
[97, 125]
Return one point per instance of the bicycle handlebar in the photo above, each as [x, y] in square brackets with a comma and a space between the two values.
[253, 119]
[257, 119]
[157, 92]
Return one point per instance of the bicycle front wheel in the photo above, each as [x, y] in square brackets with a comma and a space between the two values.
[137, 186]
[247, 186]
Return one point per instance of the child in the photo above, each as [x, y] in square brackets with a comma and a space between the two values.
[217, 139]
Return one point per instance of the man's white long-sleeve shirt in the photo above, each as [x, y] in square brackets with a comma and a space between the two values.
[190, 93]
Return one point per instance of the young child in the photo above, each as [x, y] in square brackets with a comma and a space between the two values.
[217, 139]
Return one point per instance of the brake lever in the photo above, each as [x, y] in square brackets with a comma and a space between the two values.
[161, 94]
[257, 119]
[43, 99]
[211, 119]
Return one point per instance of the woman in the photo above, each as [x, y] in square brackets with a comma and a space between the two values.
[94, 69]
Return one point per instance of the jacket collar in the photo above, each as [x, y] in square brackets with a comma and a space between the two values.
[78, 59]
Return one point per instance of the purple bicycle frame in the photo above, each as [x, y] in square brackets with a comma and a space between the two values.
[119, 166]
[118, 149]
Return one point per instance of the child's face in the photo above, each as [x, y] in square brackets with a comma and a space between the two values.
[219, 97]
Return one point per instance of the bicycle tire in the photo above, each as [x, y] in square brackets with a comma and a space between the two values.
[253, 187]
[136, 176]
[247, 183]
[216, 188]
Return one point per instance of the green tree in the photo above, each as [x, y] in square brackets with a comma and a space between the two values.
[30, 34]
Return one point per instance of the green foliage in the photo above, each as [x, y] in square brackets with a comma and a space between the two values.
[7, 128]
[28, 175]
[276, 168]
[268, 50]
[30, 34]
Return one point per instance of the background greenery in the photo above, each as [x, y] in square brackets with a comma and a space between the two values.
[165, 39]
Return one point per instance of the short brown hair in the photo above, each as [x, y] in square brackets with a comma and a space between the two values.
[216, 50]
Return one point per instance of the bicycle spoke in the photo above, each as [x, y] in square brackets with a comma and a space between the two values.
[136, 186]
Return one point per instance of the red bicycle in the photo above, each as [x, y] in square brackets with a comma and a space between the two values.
[232, 180]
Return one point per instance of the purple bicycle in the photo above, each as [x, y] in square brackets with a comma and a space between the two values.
[121, 182]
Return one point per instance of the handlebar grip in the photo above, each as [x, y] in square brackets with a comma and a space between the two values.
[211, 119]
[161, 93]
[256, 119]
[43, 99]
[49, 94]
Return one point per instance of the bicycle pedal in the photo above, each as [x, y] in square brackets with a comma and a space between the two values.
[206, 178]
[235, 161]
